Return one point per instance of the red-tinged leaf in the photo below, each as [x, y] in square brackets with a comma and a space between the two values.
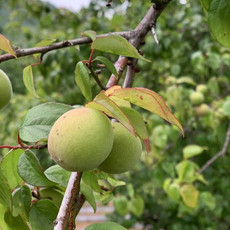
[148, 100]
[28, 80]
[104, 104]
[112, 90]
[5, 45]
[90, 33]
[118, 45]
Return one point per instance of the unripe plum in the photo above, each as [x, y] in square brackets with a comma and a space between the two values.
[81, 139]
[5, 89]
[125, 153]
[196, 98]
[202, 88]
[203, 110]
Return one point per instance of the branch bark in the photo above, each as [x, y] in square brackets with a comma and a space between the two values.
[72, 190]
[219, 154]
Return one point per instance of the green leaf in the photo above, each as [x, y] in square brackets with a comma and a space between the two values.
[138, 123]
[208, 200]
[116, 45]
[31, 171]
[186, 171]
[218, 21]
[189, 195]
[187, 80]
[108, 64]
[146, 99]
[88, 193]
[58, 175]
[40, 119]
[174, 191]
[226, 107]
[115, 183]
[5, 192]
[42, 215]
[6, 46]
[106, 197]
[14, 223]
[193, 150]
[44, 42]
[136, 205]
[90, 179]
[52, 194]
[83, 80]
[103, 103]
[21, 202]
[28, 80]
[10, 169]
[205, 3]
[90, 33]
[121, 205]
[105, 226]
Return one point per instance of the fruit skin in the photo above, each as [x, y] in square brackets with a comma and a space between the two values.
[203, 110]
[196, 98]
[5, 89]
[202, 88]
[81, 139]
[125, 153]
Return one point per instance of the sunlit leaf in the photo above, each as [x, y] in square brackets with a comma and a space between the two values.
[187, 80]
[91, 179]
[28, 80]
[90, 33]
[9, 167]
[83, 80]
[116, 45]
[189, 195]
[148, 100]
[108, 64]
[103, 103]
[218, 21]
[6, 46]
[193, 150]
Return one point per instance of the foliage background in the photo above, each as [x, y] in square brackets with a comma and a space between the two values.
[186, 56]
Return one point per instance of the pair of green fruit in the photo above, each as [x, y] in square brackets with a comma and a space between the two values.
[5, 89]
[84, 139]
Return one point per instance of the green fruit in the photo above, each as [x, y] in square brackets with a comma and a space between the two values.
[5, 89]
[202, 88]
[125, 153]
[203, 110]
[81, 139]
[196, 98]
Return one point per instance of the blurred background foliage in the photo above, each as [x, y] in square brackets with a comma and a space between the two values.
[186, 57]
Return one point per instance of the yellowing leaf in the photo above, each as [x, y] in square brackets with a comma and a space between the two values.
[5, 45]
[116, 45]
[104, 104]
[189, 195]
[148, 100]
[28, 80]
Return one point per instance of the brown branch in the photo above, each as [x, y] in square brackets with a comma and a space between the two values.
[60, 45]
[147, 23]
[219, 154]
[131, 71]
[72, 190]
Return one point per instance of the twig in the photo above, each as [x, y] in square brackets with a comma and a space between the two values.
[129, 77]
[219, 154]
[95, 76]
[60, 45]
[72, 190]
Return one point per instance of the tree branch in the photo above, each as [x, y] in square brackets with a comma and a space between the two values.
[72, 190]
[60, 45]
[219, 154]
[129, 77]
